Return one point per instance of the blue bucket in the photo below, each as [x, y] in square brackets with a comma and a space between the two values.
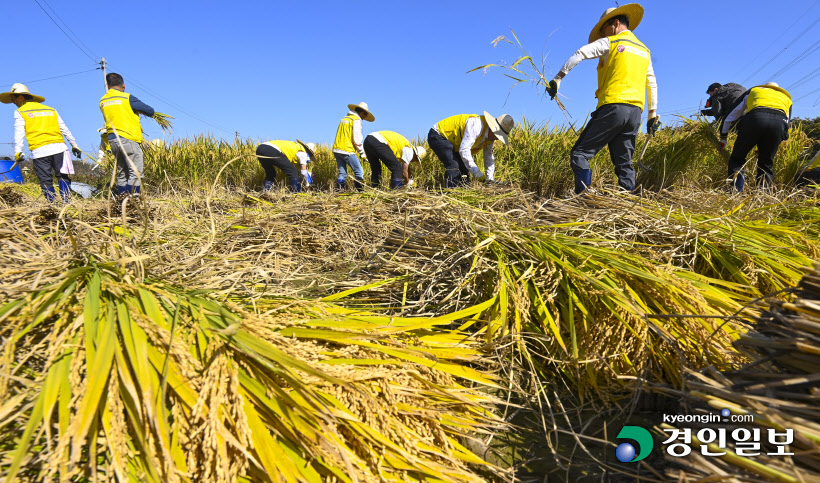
[10, 175]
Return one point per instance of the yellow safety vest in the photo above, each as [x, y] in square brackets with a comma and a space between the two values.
[42, 127]
[289, 149]
[622, 78]
[116, 109]
[396, 142]
[344, 135]
[452, 129]
[766, 96]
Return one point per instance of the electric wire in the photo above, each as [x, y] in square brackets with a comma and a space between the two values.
[806, 78]
[775, 56]
[800, 58]
[69, 28]
[90, 56]
[55, 77]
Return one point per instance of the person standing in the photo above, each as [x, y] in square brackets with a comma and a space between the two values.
[722, 99]
[763, 116]
[396, 152]
[625, 77]
[456, 139]
[286, 155]
[43, 128]
[348, 144]
[122, 123]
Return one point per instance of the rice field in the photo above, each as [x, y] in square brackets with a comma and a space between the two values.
[501, 332]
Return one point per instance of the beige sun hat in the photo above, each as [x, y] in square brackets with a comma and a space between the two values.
[363, 105]
[776, 86]
[420, 152]
[500, 126]
[310, 149]
[632, 11]
[5, 97]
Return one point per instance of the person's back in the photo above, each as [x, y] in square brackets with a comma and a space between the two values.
[728, 96]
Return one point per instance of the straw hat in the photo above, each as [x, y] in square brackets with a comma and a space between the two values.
[500, 126]
[420, 152]
[363, 105]
[776, 86]
[310, 149]
[5, 97]
[632, 11]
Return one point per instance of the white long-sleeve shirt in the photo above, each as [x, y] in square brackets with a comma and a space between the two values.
[738, 111]
[358, 139]
[600, 49]
[407, 154]
[474, 130]
[42, 151]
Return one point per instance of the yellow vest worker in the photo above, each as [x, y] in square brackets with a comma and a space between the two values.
[457, 139]
[286, 156]
[348, 142]
[396, 152]
[764, 114]
[121, 112]
[43, 129]
[625, 79]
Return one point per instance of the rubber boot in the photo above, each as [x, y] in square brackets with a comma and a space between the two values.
[296, 186]
[340, 185]
[65, 190]
[583, 180]
[50, 194]
[123, 190]
[135, 190]
[396, 184]
[358, 183]
[268, 185]
[739, 182]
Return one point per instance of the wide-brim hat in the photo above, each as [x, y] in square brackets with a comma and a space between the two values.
[775, 86]
[18, 89]
[632, 11]
[419, 153]
[500, 126]
[363, 105]
[309, 149]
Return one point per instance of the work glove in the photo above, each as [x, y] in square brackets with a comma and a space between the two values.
[308, 177]
[652, 125]
[76, 152]
[552, 88]
[722, 143]
[20, 157]
[476, 172]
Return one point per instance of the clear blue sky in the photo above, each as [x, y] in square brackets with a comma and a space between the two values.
[282, 70]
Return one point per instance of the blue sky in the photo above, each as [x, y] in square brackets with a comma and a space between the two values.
[282, 70]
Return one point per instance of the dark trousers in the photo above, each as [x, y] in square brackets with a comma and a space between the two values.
[271, 158]
[613, 125]
[454, 167]
[43, 167]
[377, 153]
[765, 129]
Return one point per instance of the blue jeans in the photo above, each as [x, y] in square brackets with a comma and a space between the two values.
[345, 160]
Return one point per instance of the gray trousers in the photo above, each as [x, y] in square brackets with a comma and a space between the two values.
[125, 149]
[613, 125]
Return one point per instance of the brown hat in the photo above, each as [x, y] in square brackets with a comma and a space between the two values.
[632, 11]
[363, 106]
[17, 90]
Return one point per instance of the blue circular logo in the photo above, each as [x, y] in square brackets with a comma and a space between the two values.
[725, 413]
[625, 452]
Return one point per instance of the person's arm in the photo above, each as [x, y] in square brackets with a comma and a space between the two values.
[66, 133]
[358, 140]
[140, 107]
[489, 162]
[19, 133]
[303, 159]
[472, 130]
[407, 155]
[595, 50]
[652, 90]
[733, 116]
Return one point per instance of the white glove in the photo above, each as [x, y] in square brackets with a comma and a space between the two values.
[410, 183]
[307, 175]
[723, 141]
[476, 172]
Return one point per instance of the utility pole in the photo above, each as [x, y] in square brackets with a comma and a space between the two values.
[105, 73]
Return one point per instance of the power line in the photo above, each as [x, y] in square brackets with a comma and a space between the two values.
[64, 32]
[775, 56]
[56, 76]
[806, 78]
[69, 28]
[800, 58]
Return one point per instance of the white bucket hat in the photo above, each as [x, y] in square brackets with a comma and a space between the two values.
[500, 126]
[18, 89]
[310, 149]
[363, 105]
[632, 11]
[420, 152]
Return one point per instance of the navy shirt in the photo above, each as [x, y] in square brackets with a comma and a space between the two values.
[138, 107]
